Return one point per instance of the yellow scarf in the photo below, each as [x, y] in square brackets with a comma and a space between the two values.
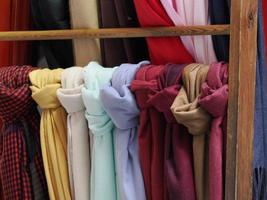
[53, 131]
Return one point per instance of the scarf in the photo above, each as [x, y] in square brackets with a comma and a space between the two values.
[213, 99]
[188, 113]
[84, 15]
[184, 13]
[120, 105]
[103, 178]
[178, 165]
[162, 50]
[151, 131]
[70, 97]
[20, 151]
[53, 131]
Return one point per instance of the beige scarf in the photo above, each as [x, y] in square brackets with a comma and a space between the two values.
[188, 113]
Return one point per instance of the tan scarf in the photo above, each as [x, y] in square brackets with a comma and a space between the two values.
[188, 113]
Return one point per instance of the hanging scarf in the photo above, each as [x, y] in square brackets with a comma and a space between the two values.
[264, 15]
[119, 103]
[53, 131]
[151, 131]
[162, 50]
[70, 97]
[20, 152]
[213, 99]
[188, 113]
[185, 13]
[84, 15]
[178, 171]
[260, 126]
[103, 178]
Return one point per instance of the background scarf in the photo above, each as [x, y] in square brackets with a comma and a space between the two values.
[178, 165]
[20, 154]
[188, 113]
[213, 99]
[103, 178]
[119, 103]
[162, 50]
[53, 131]
[70, 97]
[189, 13]
[151, 131]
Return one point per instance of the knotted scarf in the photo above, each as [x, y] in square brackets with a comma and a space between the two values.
[178, 171]
[20, 152]
[151, 131]
[162, 50]
[213, 99]
[120, 104]
[53, 131]
[70, 97]
[190, 12]
[188, 113]
[103, 179]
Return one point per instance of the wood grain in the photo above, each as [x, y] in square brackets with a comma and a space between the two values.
[115, 33]
[242, 72]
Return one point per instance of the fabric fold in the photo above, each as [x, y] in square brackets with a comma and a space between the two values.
[20, 152]
[103, 178]
[70, 97]
[53, 131]
[120, 105]
[187, 112]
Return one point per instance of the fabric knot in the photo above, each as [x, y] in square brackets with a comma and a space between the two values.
[185, 107]
[118, 100]
[45, 84]
[15, 95]
[70, 95]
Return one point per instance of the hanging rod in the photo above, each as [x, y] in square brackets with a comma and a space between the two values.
[115, 33]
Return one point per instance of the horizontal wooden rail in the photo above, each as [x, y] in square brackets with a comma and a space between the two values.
[115, 33]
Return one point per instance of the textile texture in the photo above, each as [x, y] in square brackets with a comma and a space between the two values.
[21, 125]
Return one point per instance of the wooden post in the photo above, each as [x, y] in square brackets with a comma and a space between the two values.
[242, 74]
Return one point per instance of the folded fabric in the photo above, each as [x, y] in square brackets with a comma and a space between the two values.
[187, 112]
[53, 131]
[178, 165]
[115, 14]
[120, 105]
[70, 97]
[19, 143]
[103, 178]
[189, 13]
[162, 50]
[219, 12]
[213, 99]
[150, 131]
[84, 14]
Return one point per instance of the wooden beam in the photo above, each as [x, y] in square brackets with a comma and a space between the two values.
[242, 72]
[115, 33]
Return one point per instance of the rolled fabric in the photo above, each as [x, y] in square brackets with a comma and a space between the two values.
[103, 178]
[120, 105]
[53, 131]
[213, 99]
[20, 146]
[189, 13]
[219, 11]
[150, 131]
[178, 165]
[187, 112]
[70, 97]
[162, 50]
[84, 14]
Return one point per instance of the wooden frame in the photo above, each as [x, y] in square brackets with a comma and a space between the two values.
[243, 33]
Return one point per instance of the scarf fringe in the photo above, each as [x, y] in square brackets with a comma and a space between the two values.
[259, 184]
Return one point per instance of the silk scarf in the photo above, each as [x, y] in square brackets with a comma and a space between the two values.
[103, 178]
[53, 131]
[70, 97]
